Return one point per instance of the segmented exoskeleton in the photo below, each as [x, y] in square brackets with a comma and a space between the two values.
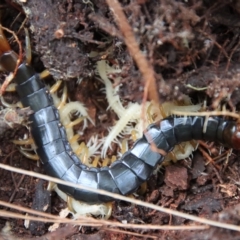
[125, 175]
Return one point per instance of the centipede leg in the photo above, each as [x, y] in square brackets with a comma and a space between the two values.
[63, 98]
[56, 86]
[28, 141]
[75, 122]
[31, 156]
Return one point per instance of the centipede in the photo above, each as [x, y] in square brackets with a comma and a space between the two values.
[126, 174]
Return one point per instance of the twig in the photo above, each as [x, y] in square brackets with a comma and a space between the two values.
[145, 68]
[120, 197]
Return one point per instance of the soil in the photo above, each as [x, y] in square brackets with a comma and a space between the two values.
[193, 47]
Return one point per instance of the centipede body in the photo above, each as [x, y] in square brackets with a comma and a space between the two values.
[126, 174]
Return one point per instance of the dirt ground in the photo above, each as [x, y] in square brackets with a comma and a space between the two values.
[193, 48]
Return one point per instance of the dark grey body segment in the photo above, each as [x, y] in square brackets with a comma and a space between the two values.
[126, 174]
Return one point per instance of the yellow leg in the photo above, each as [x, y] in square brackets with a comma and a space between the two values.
[70, 205]
[134, 135]
[51, 186]
[56, 86]
[9, 105]
[29, 155]
[169, 157]
[75, 122]
[162, 112]
[181, 148]
[28, 141]
[105, 162]
[74, 138]
[85, 156]
[114, 158]
[44, 74]
[124, 146]
[95, 161]
[143, 188]
[80, 148]
[150, 115]
[194, 143]
[109, 213]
